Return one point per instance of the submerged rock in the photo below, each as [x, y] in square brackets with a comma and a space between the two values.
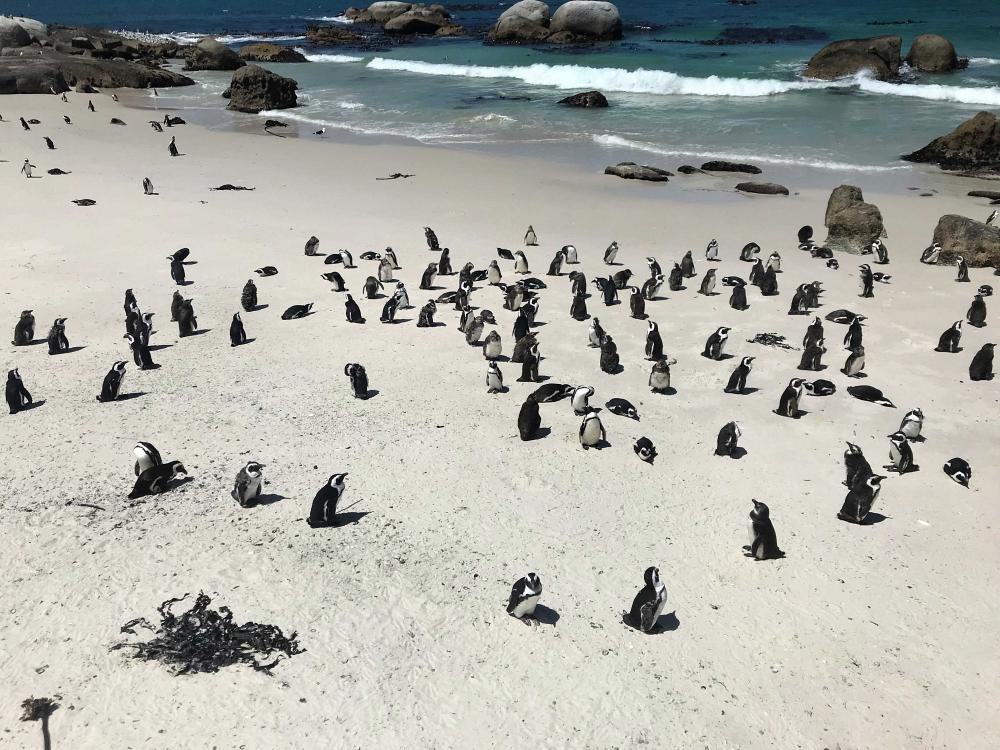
[977, 243]
[271, 53]
[629, 170]
[254, 89]
[728, 166]
[852, 224]
[209, 54]
[974, 145]
[878, 55]
[763, 188]
[586, 99]
[932, 53]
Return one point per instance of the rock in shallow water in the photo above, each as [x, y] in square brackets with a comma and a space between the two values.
[762, 188]
[209, 54]
[974, 145]
[728, 166]
[878, 55]
[628, 170]
[586, 99]
[271, 53]
[254, 89]
[932, 53]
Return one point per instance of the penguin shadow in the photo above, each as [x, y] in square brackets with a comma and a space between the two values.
[918, 439]
[616, 370]
[397, 321]
[857, 374]
[255, 308]
[671, 391]
[720, 358]
[540, 434]
[612, 304]
[186, 282]
[667, 623]
[644, 316]
[186, 262]
[499, 358]
[130, 396]
[199, 332]
[600, 445]
[897, 472]
[348, 519]
[36, 342]
[248, 341]
[32, 405]
[799, 413]
[370, 393]
[658, 298]
[545, 615]
[72, 349]
[873, 518]
[267, 499]
[158, 347]
[438, 324]
[737, 453]
[749, 391]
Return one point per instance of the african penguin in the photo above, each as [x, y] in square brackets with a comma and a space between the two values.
[645, 449]
[659, 376]
[788, 405]
[524, 596]
[246, 488]
[738, 380]
[17, 395]
[763, 540]
[157, 479]
[580, 399]
[654, 343]
[591, 431]
[359, 379]
[24, 330]
[981, 367]
[494, 378]
[323, 512]
[900, 454]
[648, 603]
[112, 383]
[237, 335]
[860, 499]
[716, 343]
[958, 470]
[528, 418]
[727, 442]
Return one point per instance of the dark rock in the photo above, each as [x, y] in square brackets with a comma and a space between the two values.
[84, 87]
[991, 194]
[688, 169]
[973, 240]
[81, 42]
[209, 54]
[974, 145]
[852, 224]
[49, 69]
[333, 35]
[932, 53]
[628, 170]
[728, 166]
[879, 55]
[271, 53]
[586, 99]
[254, 89]
[763, 188]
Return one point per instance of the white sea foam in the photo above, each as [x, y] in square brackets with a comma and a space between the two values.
[492, 117]
[330, 58]
[331, 19]
[988, 95]
[191, 37]
[616, 141]
[350, 105]
[977, 61]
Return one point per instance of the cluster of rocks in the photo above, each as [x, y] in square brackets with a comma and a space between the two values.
[406, 18]
[211, 54]
[271, 53]
[974, 146]
[881, 57]
[530, 22]
[852, 225]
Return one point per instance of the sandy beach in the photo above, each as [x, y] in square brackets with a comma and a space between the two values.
[874, 636]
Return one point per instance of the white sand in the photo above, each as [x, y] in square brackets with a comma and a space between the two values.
[881, 636]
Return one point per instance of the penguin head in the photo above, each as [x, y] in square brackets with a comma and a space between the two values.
[26, 313]
[13, 374]
[760, 511]
[534, 583]
[177, 469]
[852, 450]
[897, 438]
[652, 326]
[651, 576]
[119, 367]
[747, 361]
[874, 482]
[916, 413]
[723, 331]
[236, 317]
[336, 481]
[253, 469]
[796, 383]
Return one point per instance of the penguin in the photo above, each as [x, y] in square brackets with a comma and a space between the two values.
[881, 252]
[429, 275]
[900, 454]
[621, 279]
[530, 310]
[237, 335]
[763, 541]
[648, 603]
[521, 327]
[297, 311]
[963, 270]
[49, 143]
[860, 499]
[675, 282]
[359, 379]
[611, 253]
[147, 186]
[143, 328]
[520, 262]
[494, 378]
[712, 251]
[651, 287]
[591, 431]
[727, 441]
[555, 267]
[172, 147]
[24, 124]
[738, 298]
[524, 596]
[708, 283]
[992, 217]
[24, 329]
[17, 395]
[492, 346]
[426, 317]
[372, 287]
[552, 392]
[645, 450]
[659, 376]
[610, 292]
[157, 479]
[514, 296]
[812, 356]
[871, 394]
[977, 312]
[474, 331]
[570, 254]
[610, 361]
[986, 290]
[493, 275]
[654, 267]
[140, 353]
[389, 310]
[177, 272]
[57, 341]
[981, 367]
[580, 399]
[788, 405]
[769, 283]
[432, 241]
[814, 332]
[912, 424]
[800, 301]
[385, 270]
[654, 343]
[528, 418]
[854, 335]
[595, 334]
[958, 470]
[352, 310]
[444, 263]
[112, 383]
[248, 299]
[832, 263]
[931, 254]
[774, 261]
[522, 347]
[756, 272]
[748, 252]
[716, 343]
[530, 238]
[578, 307]
[246, 488]
[856, 466]
[323, 512]
[390, 255]
[866, 281]
[90, 105]
[733, 281]
[637, 304]
[312, 245]
[623, 408]
[805, 235]
[146, 457]
[266, 271]
[687, 266]
[529, 366]
[738, 380]
[578, 283]
[843, 316]
[820, 252]
[855, 362]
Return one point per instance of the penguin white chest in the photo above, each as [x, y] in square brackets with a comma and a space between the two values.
[591, 432]
[526, 606]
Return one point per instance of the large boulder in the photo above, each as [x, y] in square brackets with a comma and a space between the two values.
[383, 12]
[36, 29]
[852, 225]
[419, 20]
[13, 34]
[932, 53]
[762, 188]
[977, 243]
[629, 170]
[271, 53]
[526, 21]
[879, 55]
[45, 70]
[586, 99]
[590, 20]
[974, 145]
[209, 54]
[254, 89]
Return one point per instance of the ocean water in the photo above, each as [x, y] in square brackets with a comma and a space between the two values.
[674, 98]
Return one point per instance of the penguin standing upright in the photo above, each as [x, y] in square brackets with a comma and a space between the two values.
[654, 343]
[708, 283]
[856, 466]
[493, 275]
[372, 287]
[738, 297]
[687, 266]
[17, 395]
[474, 331]
[881, 252]
[352, 310]
[774, 261]
[555, 267]
[237, 335]
[520, 263]
[981, 367]
[595, 334]
[814, 332]
[172, 147]
[522, 347]
[637, 304]
[912, 424]
[712, 251]
[432, 240]
[756, 272]
[389, 310]
[855, 334]
[57, 341]
[494, 378]
[359, 379]
[855, 362]
[716, 343]
[788, 405]
[610, 292]
[977, 312]
[529, 365]
[610, 361]
[48, 142]
[659, 375]
[249, 297]
[963, 270]
[769, 283]
[812, 356]
[147, 186]
[578, 307]
[591, 431]
[112, 383]
[524, 596]
[652, 286]
[727, 442]
[900, 454]
[763, 540]
[528, 419]
[675, 281]
[866, 280]
[312, 245]
[24, 330]
[444, 263]
[860, 499]
[140, 353]
[385, 270]
[176, 305]
[177, 272]
[611, 253]
[530, 238]
[187, 323]
[738, 380]
[570, 255]
[654, 267]
[425, 319]
[324, 505]
[492, 345]
[648, 603]
[246, 488]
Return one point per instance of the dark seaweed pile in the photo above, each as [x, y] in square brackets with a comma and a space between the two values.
[770, 339]
[205, 640]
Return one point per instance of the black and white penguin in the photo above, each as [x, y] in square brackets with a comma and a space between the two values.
[976, 314]
[48, 142]
[912, 424]
[716, 343]
[529, 365]
[648, 603]
[578, 307]
[24, 329]
[712, 251]
[958, 470]
[530, 238]
[112, 383]
[432, 240]
[372, 287]
[591, 431]
[389, 310]
[881, 252]
[659, 376]
[494, 378]
[528, 418]
[146, 457]
[610, 361]
[900, 454]
[520, 263]
[172, 147]
[708, 283]
[992, 217]
[492, 345]
[157, 479]
[237, 335]
[140, 353]
[738, 380]
[429, 275]
[522, 346]
[570, 255]
[621, 278]
[651, 287]
[623, 408]
[524, 596]
[860, 499]
[555, 267]
[812, 356]
[579, 282]
[749, 252]
[654, 343]
[950, 339]
[833, 263]
[866, 281]
[17, 395]
[981, 367]
[654, 267]
[820, 388]
[986, 290]
[727, 442]
[266, 271]
[687, 266]
[426, 317]
[855, 334]
[645, 450]
[962, 270]
[637, 304]
[611, 253]
[444, 263]
[738, 298]
[871, 394]
[774, 261]
[246, 488]
[595, 334]
[312, 245]
[57, 341]
[855, 363]
[474, 331]
[294, 312]
[931, 254]
[763, 540]
[147, 186]
[788, 405]
[756, 276]
[552, 392]
[580, 399]
[856, 466]
[385, 270]
[359, 379]
[800, 301]
[177, 272]
[521, 326]
[769, 283]
[248, 298]
[610, 291]
[352, 311]
[675, 281]
[530, 310]
[323, 512]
